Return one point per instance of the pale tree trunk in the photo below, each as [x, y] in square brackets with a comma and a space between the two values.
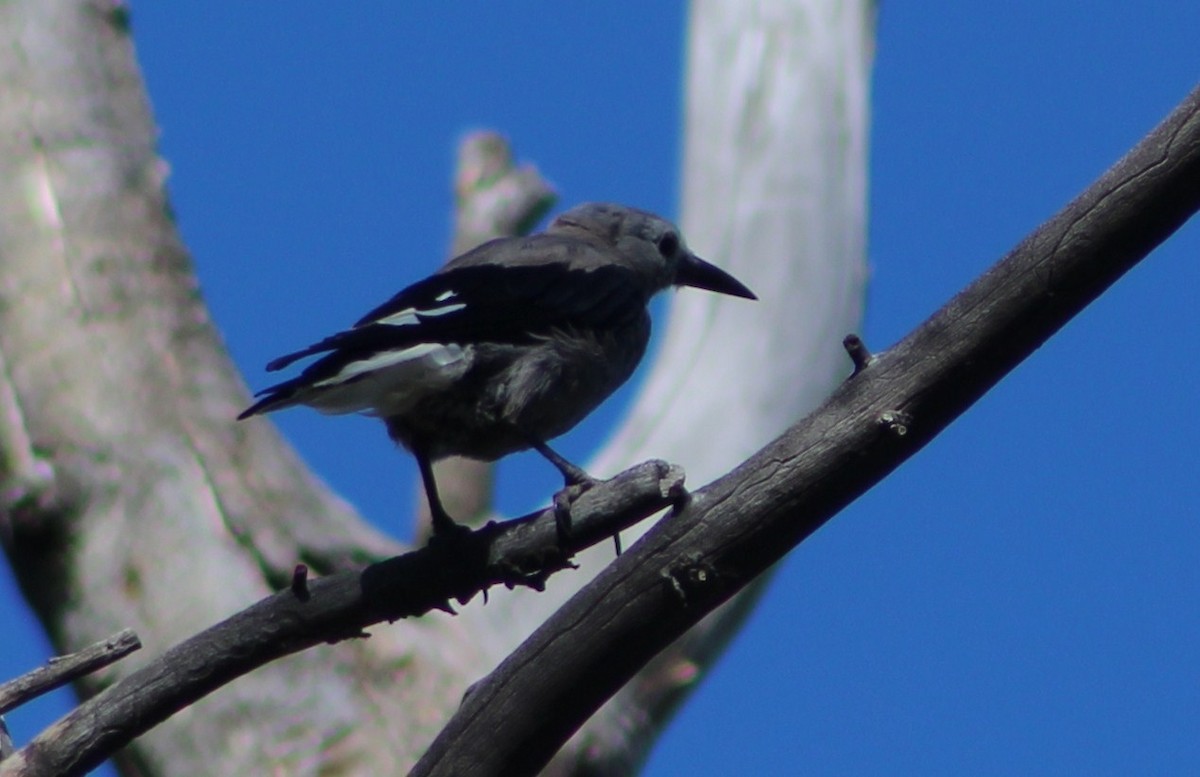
[775, 189]
[132, 499]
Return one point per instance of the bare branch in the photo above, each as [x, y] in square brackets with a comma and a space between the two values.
[741, 524]
[523, 551]
[64, 669]
[493, 197]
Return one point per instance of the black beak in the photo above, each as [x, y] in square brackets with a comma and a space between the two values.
[699, 274]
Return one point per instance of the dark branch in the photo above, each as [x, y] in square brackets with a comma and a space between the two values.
[64, 669]
[523, 551]
[743, 523]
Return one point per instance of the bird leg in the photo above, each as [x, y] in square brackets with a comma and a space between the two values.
[577, 481]
[443, 524]
[573, 474]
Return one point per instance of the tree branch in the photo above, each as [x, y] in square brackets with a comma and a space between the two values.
[523, 551]
[64, 669]
[493, 197]
[741, 524]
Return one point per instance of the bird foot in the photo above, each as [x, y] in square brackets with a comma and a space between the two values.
[447, 531]
[563, 499]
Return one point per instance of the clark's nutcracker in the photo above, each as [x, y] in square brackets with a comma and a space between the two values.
[507, 346]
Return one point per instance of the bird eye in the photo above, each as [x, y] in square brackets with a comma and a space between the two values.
[668, 244]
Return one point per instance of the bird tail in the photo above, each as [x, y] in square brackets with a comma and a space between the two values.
[275, 397]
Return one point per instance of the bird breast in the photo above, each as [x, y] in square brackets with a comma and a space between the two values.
[514, 392]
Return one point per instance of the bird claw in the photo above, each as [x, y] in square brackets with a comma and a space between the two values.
[563, 499]
[562, 516]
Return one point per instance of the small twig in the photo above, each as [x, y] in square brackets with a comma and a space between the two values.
[300, 582]
[859, 354]
[64, 669]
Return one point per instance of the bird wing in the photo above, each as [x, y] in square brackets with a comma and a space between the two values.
[470, 302]
[491, 302]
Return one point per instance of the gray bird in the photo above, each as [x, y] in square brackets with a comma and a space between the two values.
[507, 346]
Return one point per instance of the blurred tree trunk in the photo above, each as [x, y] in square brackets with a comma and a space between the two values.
[775, 189]
[130, 498]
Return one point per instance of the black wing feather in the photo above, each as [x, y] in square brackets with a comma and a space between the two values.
[501, 304]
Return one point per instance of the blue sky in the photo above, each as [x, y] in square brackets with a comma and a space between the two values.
[1023, 597]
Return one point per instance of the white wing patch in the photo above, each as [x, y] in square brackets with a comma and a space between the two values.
[408, 316]
[405, 317]
[443, 310]
[440, 355]
[391, 382]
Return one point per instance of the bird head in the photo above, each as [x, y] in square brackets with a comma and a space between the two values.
[650, 245]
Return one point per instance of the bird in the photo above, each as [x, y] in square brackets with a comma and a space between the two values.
[508, 345]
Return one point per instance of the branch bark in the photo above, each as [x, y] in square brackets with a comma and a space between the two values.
[738, 526]
[64, 669]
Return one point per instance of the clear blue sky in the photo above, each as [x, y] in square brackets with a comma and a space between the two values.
[1021, 598]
